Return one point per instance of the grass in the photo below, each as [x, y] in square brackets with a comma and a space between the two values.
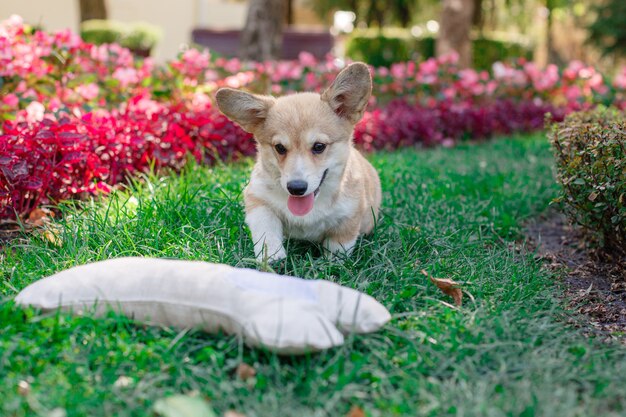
[456, 213]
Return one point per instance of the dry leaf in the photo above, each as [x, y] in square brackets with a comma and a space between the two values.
[38, 217]
[23, 388]
[448, 287]
[356, 411]
[245, 371]
[52, 234]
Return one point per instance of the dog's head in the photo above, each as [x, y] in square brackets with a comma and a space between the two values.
[303, 139]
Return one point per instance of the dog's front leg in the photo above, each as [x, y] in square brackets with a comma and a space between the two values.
[267, 234]
[341, 240]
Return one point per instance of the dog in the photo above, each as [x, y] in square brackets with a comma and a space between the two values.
[309, 182]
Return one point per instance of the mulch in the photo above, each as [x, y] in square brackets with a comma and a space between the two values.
[595, 283]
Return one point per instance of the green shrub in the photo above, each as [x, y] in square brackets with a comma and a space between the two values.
[135, 36]
[141, 36]
[101, 31]
[489, 49]
[383, 48]
[590, 150]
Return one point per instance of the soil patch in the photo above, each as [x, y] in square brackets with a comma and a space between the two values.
[595, 284]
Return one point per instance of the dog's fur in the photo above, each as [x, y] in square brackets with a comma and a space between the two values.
[347, 202]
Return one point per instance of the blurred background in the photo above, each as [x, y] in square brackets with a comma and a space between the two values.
[377, 31]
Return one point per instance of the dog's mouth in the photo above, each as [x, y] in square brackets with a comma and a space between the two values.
[302, 205]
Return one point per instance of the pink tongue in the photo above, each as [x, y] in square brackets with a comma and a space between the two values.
[300, 205]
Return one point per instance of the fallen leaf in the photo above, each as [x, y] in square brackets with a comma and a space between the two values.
[52, 234]
[183, 406]
[23, 388]
[448, 287]
[356, 411]
[245, 371]
[38, 217]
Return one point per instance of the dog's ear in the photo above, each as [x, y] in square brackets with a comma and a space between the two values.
[349, 93]
[247, 110]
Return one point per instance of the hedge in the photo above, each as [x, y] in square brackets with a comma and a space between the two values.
[590, 150]
[383, 48]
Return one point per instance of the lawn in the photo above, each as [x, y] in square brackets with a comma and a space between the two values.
[457, 213]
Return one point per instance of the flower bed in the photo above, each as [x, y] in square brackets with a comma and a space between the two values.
[77, 118]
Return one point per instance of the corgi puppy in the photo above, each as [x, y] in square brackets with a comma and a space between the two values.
[309, 182]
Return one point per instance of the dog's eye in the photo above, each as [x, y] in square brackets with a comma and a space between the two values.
[318, 147]
[280, 149]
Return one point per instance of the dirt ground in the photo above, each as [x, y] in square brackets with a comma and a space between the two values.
[595, 283]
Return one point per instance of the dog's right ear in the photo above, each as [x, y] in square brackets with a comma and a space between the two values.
[349, 93]
[247, 110]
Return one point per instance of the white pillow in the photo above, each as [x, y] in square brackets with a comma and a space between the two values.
[285, 314]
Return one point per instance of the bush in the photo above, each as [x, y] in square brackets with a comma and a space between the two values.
[489, 49]
[99, 32]
[380, 48]
[138, 36]
[384, 48]
[590, 149]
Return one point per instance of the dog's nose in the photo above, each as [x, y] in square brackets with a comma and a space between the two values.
[297, 187]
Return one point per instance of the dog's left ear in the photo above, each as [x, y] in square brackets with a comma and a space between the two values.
[349, 93]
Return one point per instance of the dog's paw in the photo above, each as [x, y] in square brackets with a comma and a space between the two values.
[336, 250]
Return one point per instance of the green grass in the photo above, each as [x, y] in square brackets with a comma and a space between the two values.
[456, 213]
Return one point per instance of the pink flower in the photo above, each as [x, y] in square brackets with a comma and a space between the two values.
[35, 112]
[468, 77]
[88, 91]
[11, 100]
[307, 59]
[67, 39]
[573, 93]
[572, 70]
[310, 81]
[450, 58]
[547, 80]
[430, 66]
[233, 65]
[398, 70]
[126, 76]
[12, 26]
[211, 75]
[100, 53]
[499, 70]
[200, 102]
[54, 104]
[596, 82]
[146, 106]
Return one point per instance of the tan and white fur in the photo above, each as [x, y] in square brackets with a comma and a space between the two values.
[291, 172]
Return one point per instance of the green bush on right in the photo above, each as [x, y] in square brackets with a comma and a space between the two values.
[590, 151]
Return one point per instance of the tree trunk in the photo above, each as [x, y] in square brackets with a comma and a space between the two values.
[289, 18]
[478, 20]
[553, 55]
[92, 9]
[262, 37]
[454, 30]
